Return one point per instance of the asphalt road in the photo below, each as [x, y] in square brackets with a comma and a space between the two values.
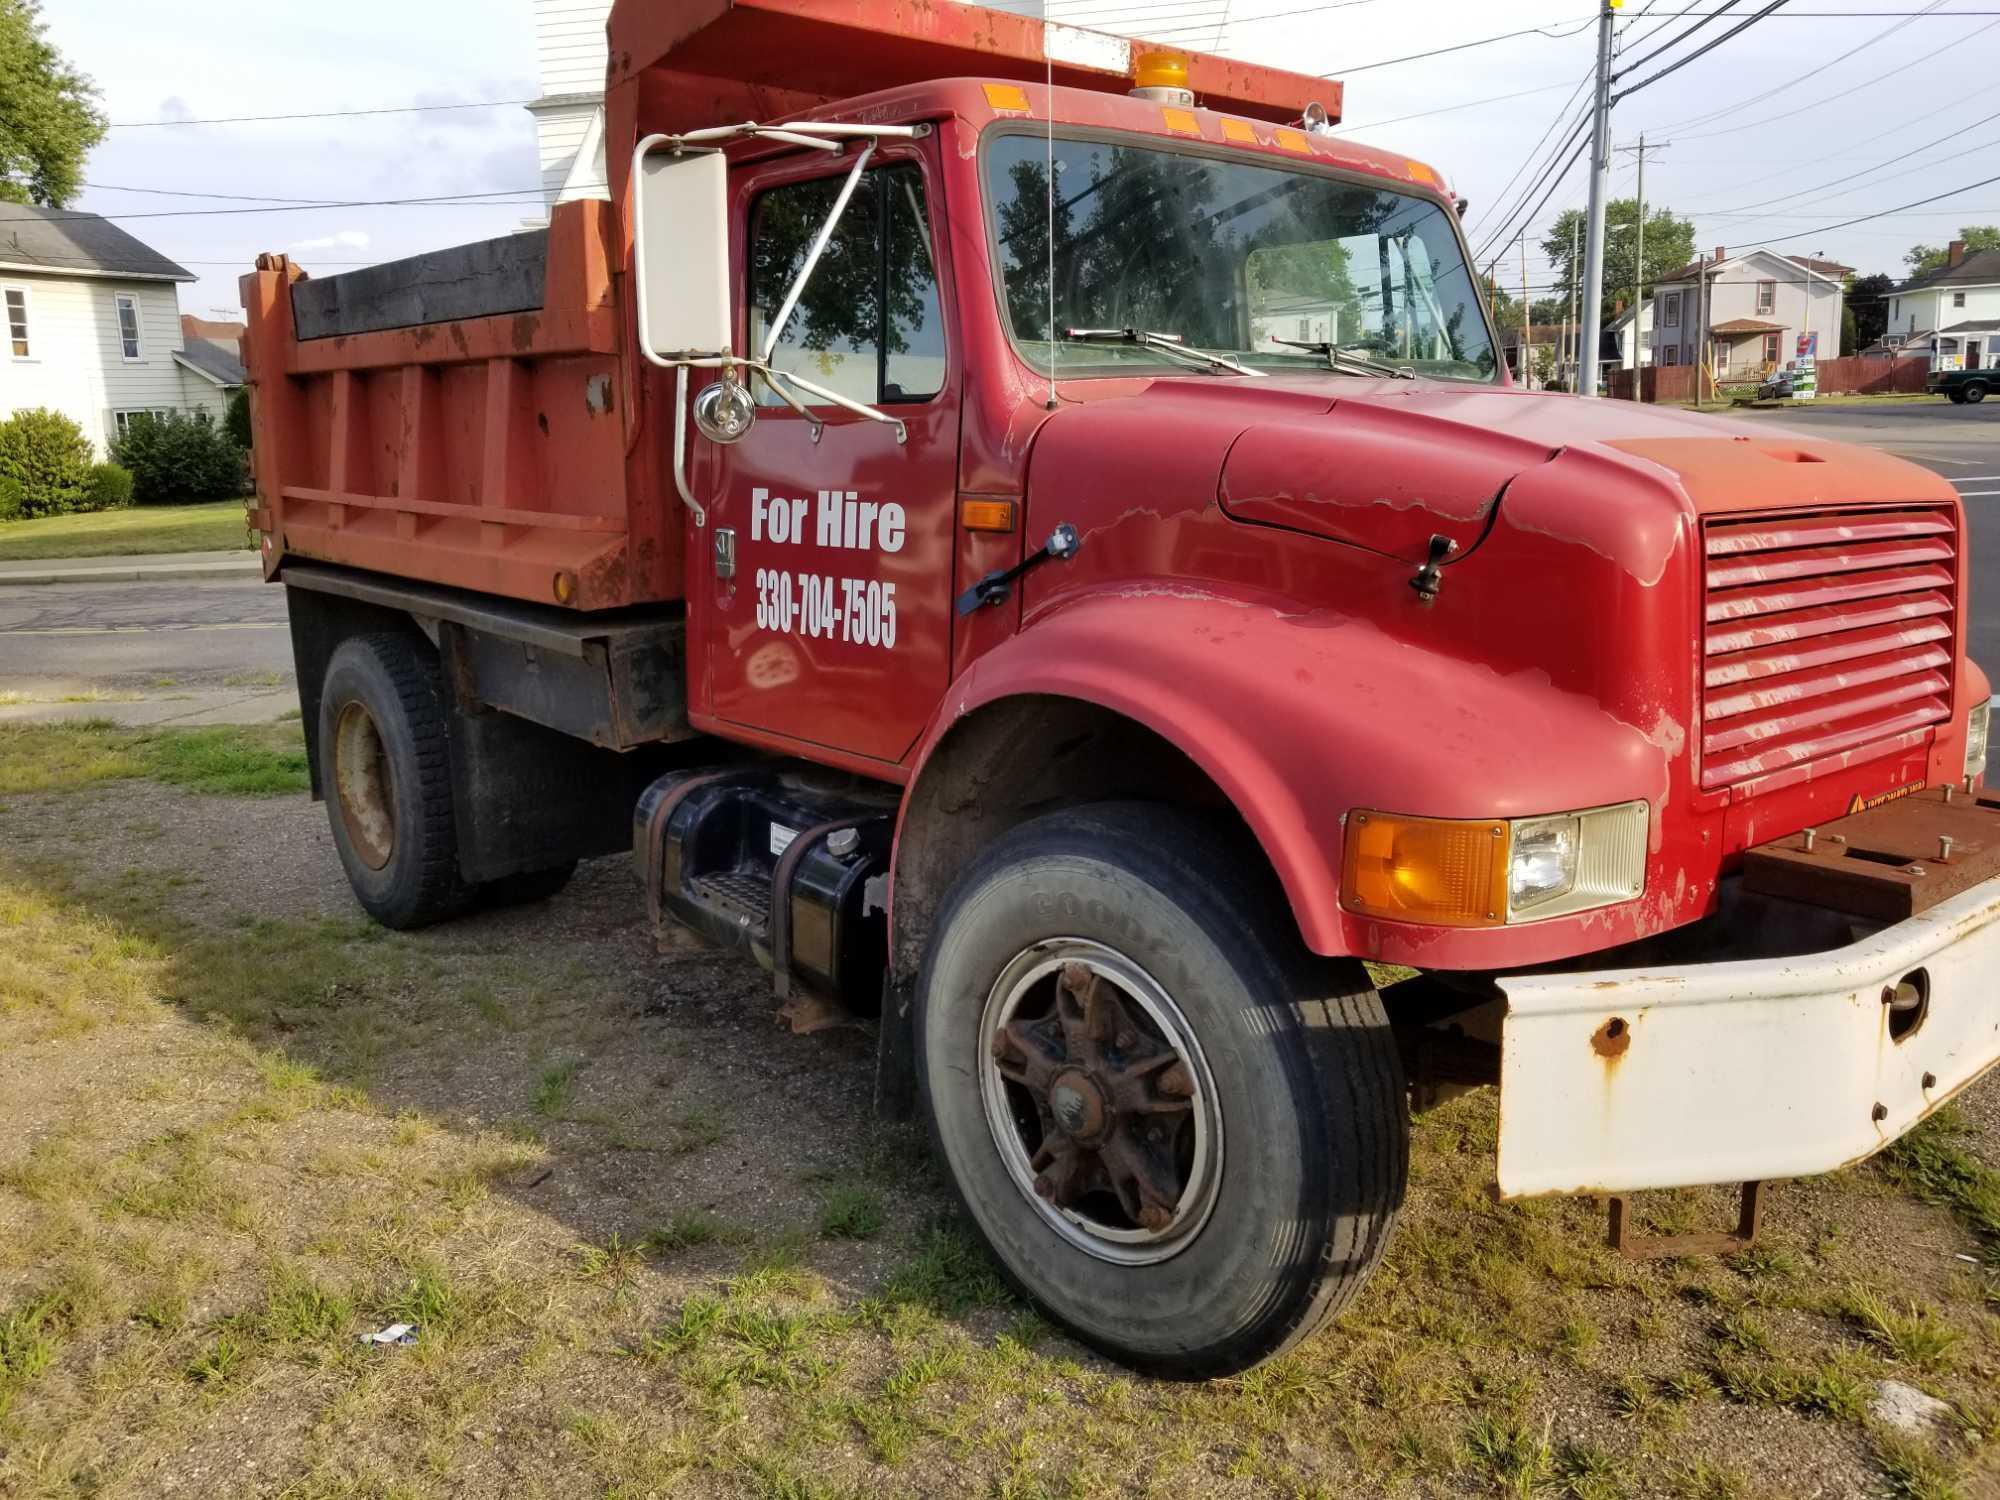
[1960, 442]
[157, 651]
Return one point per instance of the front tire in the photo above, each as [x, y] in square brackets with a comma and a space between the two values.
[385, 765]
[1179, 1133]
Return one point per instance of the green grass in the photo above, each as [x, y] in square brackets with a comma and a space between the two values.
[1934, 1163]
[261, 760]
[212, 526]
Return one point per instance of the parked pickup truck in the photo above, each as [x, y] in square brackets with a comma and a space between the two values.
[1961, 385]
[1058, 567]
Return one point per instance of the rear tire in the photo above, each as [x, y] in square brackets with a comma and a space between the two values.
[1975, 392]
[1190, 1216]
[385, 766]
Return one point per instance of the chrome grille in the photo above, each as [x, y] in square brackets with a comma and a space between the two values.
[1824, 634]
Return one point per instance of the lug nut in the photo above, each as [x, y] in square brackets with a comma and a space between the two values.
[1177, 1082]
[1154, 1217]
[1045, 1185]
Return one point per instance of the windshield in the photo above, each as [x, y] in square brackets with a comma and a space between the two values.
[1228, 256]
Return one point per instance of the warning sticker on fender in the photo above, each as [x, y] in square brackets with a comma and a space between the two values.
[1862, 804]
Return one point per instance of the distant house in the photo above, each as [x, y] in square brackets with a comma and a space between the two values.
[213, 351]
[93, 325]
[1620, 328]
[570, 54]
[1758, 304]
[1950, 315]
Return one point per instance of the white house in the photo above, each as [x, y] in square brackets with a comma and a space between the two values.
[1620, 328]
[1758, 303]
[94, 325]
[570, 55]
[1950, 314]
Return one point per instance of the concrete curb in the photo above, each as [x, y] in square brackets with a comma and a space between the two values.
[136, 573]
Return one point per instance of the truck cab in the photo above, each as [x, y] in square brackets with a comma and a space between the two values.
[1037, 545]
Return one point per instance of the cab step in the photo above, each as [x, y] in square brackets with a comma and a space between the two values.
[786, 860]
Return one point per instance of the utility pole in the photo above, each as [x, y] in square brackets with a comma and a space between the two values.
[1639, 271]
[1527, 319]
[1575, 333]
[1600, 176]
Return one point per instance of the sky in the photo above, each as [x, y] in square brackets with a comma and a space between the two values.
[1766, 115]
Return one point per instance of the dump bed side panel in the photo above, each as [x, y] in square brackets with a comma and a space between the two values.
[461, 418]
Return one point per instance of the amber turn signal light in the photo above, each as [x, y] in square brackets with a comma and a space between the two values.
[986, 515]
[1441, 871]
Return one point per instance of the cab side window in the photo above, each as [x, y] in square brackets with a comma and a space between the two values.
[868, 324]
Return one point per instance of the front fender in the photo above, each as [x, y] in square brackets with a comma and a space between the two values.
[1300, 717]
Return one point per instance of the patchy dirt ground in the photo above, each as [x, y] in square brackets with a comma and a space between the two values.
[655, 1244]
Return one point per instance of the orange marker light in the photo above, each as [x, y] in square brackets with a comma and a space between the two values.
[986, 515]
[1440, 871]
[1238, 131]
[1008, 96]
[1292, 140]
[1181, 121]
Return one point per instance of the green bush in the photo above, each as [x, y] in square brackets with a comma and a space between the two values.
[110, 488]
[10, 498]
[48, 456]
[175, 459]
[236, 421]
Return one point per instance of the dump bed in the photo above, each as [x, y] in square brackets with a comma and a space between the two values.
[477, 417]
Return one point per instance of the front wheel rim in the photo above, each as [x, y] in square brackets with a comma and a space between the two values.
[1100, 1101]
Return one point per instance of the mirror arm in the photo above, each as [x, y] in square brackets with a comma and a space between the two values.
[681, 446]
[778, 389]
[843, 402]
[818, 249]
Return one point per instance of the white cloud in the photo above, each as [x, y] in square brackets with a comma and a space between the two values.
[340, 239]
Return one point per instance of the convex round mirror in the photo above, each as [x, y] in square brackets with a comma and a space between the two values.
[724, 411]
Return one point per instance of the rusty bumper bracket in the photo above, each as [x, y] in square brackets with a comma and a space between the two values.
[1661, 1246]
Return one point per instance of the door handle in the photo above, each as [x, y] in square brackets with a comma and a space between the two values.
[725, 552]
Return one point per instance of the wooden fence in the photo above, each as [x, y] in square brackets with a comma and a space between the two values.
[1837, 377]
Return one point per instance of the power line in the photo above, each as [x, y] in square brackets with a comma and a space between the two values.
[1675, 67]
[1485, 41]
[1715, 114]
[1892, 161]
[1832, 98]
[1900, 208]
[321, 114]
[1674, 41]
[1550, 129]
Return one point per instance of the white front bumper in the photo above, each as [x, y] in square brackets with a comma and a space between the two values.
[1743, 1071]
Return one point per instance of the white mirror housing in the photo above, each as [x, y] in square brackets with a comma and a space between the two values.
[680, 245]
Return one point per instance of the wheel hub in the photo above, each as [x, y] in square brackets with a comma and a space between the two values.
[363, 786]
[1097, 1096]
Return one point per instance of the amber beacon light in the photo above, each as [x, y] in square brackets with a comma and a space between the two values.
[1161, 77]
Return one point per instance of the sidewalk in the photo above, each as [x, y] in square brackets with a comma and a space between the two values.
[160, 567]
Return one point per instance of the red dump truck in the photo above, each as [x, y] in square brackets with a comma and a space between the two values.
[1029, 537]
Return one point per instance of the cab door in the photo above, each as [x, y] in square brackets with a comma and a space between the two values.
[829, 600]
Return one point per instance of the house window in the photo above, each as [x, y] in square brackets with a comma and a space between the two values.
[1671, 355]
[128, 325]
[1767, 296]
[1958, 299]
[1770, 348]
[123, 419]
[1673, 310]
[17, 321]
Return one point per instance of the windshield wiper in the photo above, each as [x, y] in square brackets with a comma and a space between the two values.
[1338, 358]
[1166, 343]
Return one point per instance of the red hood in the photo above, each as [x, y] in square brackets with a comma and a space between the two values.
[1387, 464]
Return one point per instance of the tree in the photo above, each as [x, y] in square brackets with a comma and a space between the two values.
[49, 117]
[1922, 258]
[1669, 246]
[1868, 302]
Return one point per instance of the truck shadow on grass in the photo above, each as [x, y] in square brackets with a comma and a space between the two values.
[655, 1244]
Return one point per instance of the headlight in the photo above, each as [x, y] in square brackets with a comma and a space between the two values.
[1487, 872]
[1975, 738]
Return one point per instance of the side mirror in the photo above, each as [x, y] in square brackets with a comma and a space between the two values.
[680, 241]
[724, 411]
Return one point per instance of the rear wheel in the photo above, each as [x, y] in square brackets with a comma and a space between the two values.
[386, 770]
[1976, 391]
[1176, 1131]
